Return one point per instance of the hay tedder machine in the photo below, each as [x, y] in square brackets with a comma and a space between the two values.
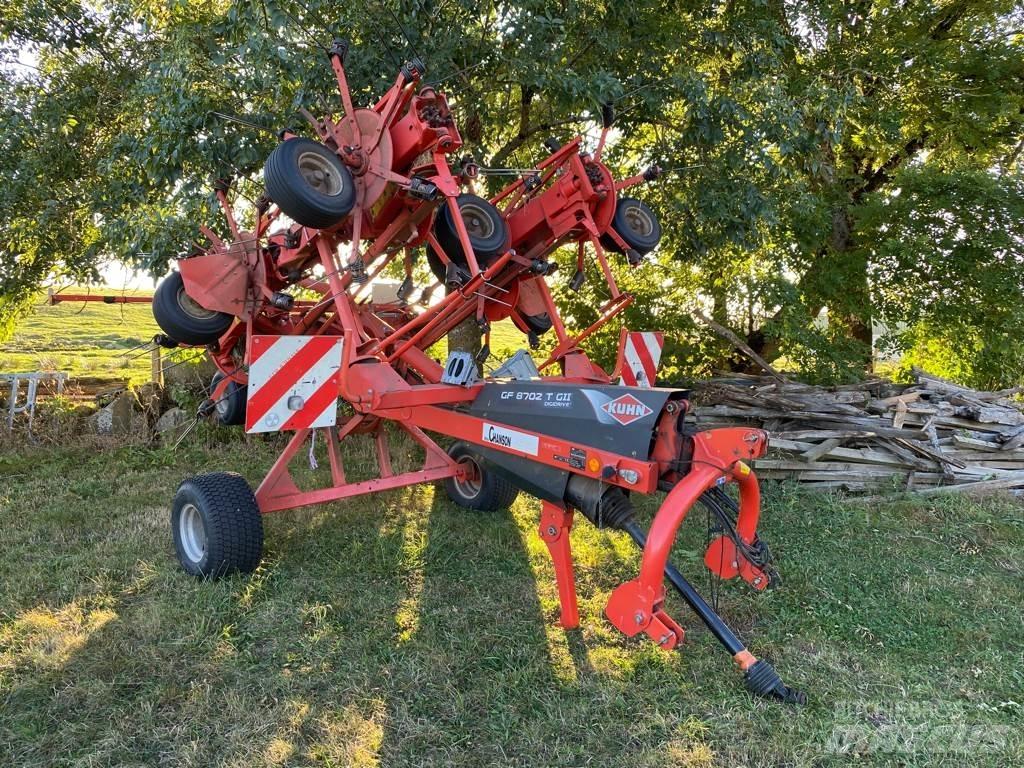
[304, 345]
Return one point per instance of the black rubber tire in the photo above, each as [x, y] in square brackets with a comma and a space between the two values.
[232, 525]
[635, 223]
[539, 324]
[183, 319]
[487, 229]
[491, 493]
[229, 409]
[306, 204]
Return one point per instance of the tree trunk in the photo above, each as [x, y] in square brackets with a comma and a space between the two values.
[465, 337]
[855, 297]
[849, 301]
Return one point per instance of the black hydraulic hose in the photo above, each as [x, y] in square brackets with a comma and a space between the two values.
[706, 613]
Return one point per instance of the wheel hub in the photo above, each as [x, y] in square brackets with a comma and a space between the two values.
[470, 483]
[320, 174]
[638, 221]
[192, 308]
[192, 533]
[478, 223]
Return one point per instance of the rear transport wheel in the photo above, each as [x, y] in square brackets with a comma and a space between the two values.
[229, 407]
[635, 223]
[182, 318]
[216, 525]
[309, 183]
[482, 489]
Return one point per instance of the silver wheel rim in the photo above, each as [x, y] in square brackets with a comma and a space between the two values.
[189, 306]
[479, 225]
[470, 487]
[192, 533]
[638, 220]
[321, 174]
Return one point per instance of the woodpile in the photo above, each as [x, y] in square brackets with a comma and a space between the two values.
[927, 436]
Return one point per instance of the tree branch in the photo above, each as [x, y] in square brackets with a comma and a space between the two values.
[737, 342]
[883, 173]
[1011, 159]
[521, 138]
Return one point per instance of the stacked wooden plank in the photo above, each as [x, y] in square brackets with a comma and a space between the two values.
[926, 436]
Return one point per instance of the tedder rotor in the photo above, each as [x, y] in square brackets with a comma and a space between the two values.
[288, 316]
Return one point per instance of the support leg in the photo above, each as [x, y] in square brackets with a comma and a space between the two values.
[555, 524]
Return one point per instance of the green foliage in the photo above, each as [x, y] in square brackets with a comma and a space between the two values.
[946, 253]
[787, 129]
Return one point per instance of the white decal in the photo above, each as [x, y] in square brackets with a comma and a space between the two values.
[510, 438]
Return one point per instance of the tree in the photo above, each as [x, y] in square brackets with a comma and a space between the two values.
[791, 130]
[808, 117]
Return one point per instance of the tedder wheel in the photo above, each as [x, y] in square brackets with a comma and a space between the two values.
[216, 525]
[309, 183]
[487, 230]
[182, 318]
[229, 407]
[482, 489]
[637, 224]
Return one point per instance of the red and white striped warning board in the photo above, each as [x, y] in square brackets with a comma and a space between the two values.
[641, 357]
[293, 382]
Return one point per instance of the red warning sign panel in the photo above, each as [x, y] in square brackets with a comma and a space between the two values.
[641, 357]
[293, 382]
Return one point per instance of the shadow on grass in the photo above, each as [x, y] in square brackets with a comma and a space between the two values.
[398, 629]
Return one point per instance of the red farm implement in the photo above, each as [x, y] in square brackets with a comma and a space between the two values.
[381, 185]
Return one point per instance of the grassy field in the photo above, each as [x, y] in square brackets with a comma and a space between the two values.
[91, 339]
[82, 339]
[401, 630]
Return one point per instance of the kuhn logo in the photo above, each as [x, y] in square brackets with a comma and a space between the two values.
[626, 409]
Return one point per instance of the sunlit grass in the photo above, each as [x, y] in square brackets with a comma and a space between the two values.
[82, 339]
[398, 629]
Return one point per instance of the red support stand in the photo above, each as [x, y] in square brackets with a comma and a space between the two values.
[555, 525]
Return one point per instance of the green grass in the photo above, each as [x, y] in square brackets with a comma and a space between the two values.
[91, 339]
[83, 339]
[401, 630]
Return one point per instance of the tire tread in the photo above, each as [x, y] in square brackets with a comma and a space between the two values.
[179, 326]
[234, 534]
[287, 189]
[496, 492]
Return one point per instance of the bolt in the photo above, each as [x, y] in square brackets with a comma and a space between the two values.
[552, 530]
[639, 618]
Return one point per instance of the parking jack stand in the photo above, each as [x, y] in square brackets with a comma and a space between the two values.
[555, 525]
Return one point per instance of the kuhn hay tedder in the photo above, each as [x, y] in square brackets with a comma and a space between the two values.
[380, 184]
